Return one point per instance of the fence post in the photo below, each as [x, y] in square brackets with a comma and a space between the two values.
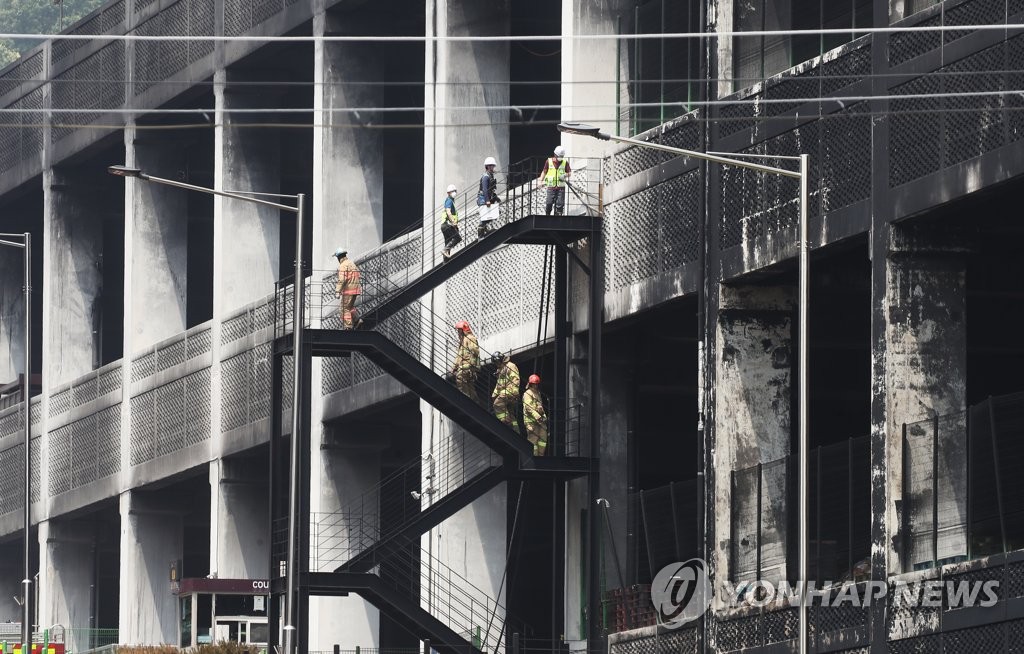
[732, 524]
[995, 469]
[904, 491]
[760, 468]
[970, 478]
[935, 491]
[849, 506]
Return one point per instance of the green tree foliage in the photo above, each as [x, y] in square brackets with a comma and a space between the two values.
[37, 17]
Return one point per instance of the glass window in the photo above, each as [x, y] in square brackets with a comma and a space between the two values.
[204, 618]
[259, 632]
[665, 73]
[185, 615]
[758, 57]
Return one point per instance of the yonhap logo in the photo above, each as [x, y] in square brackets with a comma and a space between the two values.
[681, 592]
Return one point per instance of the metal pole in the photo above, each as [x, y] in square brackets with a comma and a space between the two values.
[935, 490]
[802, 401]
[26, 582]
[298, 303]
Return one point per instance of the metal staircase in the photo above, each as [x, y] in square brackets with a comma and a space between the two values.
[354, 549]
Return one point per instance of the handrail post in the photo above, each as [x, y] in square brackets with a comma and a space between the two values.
[905, 493]
[935, 490]
[995, 469]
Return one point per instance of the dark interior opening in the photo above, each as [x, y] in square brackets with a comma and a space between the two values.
[535, 72]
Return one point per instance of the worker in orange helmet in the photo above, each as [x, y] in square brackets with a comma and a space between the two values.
[535, 419]
[466, 368]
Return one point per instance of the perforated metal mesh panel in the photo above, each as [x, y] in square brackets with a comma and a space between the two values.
[245, 387]
[843, 616]
[510, 300]
[93, 83]
[11, 422]
[975, 12]
[756, 205]
[922, 645]
[737, 117]
[989, 639]
[678, 641]
[107, 20]
[738, 633]
[12, 482]
[779, 626]
[654, 231]
[170, 417]
[21, 139]
[846, 158]
[904, 46]
[159, 60]
[928, 134]
[240, 16]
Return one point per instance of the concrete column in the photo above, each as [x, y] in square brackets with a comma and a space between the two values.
[347, 468]
[156, 243]
[10, 581]
[151, 538]
[67, 577]
[239, 528]
[348, 159]
[467, 74]
[72, 218]
[754, 378]
[616, 397]
[12, 315]
[923, 371]
[589, 71]
[459, 75]
[247, 236]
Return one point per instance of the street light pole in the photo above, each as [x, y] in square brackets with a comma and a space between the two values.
[804, 300]
[297, 329]
[26, 392]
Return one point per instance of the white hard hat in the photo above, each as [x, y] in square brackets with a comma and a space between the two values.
[489, 161]
[451, 188]
[559, 151]
[340, 252]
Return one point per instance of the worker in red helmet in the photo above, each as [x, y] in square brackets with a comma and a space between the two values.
[466, 368]
[535, 419]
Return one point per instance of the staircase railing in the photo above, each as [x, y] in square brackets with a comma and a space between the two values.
[407, 256]
[384, 509]
[451, 598]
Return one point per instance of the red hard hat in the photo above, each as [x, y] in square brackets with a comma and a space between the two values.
[463, 325]
[534, 379]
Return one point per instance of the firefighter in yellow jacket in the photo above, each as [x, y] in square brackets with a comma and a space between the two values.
[505, 398]
[466, 368]
[535, 419]
[348, 287]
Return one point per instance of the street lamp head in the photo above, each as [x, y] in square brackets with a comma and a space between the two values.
[582, 129]
[124, 171]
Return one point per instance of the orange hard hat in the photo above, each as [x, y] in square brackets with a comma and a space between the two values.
[462, 325]
[534, 379]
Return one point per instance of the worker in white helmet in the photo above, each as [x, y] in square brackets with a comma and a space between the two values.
[556, 172]
[487, 197]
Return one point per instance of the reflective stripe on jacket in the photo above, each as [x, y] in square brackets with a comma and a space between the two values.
[349, 282]
[554, 177]
[507, 386]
